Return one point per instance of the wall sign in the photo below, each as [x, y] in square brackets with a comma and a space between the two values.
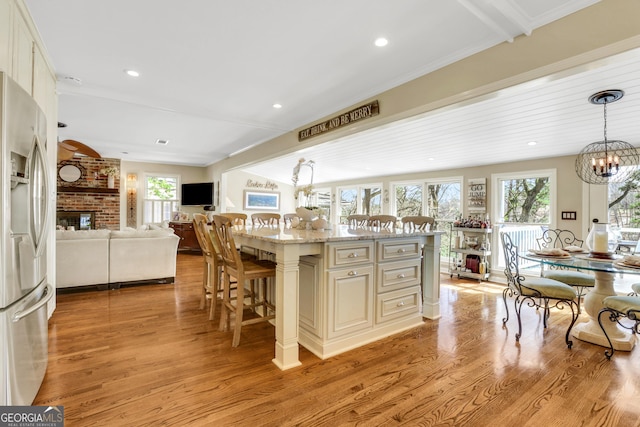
[269, 185]
[477, 195]
[363, 112]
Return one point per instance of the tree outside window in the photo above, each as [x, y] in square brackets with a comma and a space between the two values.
[525, 200]
[359, 200]
[624, 203]
[524, 204]
[408, 200]
[160, 197]
[443, 200]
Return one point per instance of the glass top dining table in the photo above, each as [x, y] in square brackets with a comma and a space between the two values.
[605, 271]
[583, 261]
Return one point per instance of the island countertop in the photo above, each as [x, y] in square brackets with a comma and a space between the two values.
[337, 233]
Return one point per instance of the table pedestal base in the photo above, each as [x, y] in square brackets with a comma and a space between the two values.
[591, 332]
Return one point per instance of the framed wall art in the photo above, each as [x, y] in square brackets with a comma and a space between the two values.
[261, 200]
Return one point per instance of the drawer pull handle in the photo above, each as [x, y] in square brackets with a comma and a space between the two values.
[353, 255]
[401, 250]
[400, 304]
[401, 276]
[353, 273]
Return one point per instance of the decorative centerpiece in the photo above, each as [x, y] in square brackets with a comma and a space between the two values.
[310, 217]
[111, 173]
[598, 241]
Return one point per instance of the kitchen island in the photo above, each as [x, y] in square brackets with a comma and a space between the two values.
[339, 289]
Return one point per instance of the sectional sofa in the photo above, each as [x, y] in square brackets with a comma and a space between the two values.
[107, 259]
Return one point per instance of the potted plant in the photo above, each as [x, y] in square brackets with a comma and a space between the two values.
[111, 172]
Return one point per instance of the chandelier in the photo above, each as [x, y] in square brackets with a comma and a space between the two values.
[608, 160]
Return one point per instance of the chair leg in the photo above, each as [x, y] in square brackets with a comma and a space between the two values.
[574, 317]
[239, 313]
[506, 307]
[580, 291]
[546, 312]
[205, 273]
[226, 303]
[612, 316]
[518, 307]
[217, 289]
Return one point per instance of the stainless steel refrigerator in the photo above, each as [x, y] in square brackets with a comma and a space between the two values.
[24, 213]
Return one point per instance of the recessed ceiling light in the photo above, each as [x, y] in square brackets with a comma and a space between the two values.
[277, 106]
[531, 143]
[132, 73]
[431, 159]
[381, 41]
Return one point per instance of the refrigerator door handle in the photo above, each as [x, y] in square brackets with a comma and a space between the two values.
[48, 294]
[39, 170]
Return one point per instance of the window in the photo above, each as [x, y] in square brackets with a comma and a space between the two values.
[321, 198]
[408, 199]
[363, 199]
[524, 203]
[160, 197]
[443, 203]
[624, 203]
[443, 199]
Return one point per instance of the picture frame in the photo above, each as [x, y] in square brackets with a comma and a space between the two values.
[261, 200]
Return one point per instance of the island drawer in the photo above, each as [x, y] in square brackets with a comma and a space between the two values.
[394, 249]
[396, 304]
[391, 276]
[343, 254]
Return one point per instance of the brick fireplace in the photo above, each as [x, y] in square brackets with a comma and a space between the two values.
[88, 200]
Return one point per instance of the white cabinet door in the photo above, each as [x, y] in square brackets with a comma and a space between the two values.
[22, 53]
[350, 300]
[5, 36]
[310, 294]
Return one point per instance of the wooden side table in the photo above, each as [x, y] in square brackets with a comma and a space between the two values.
[187, 235]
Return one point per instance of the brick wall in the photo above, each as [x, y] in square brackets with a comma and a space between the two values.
[90, 192]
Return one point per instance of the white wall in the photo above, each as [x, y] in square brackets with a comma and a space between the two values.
[237, 182]
[188, 174]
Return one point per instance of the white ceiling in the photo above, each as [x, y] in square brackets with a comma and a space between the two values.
[211, 71]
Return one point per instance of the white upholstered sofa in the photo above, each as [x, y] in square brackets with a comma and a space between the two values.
[110, 258]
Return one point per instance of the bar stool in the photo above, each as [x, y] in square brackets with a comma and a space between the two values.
[244, 270]
[211, 283]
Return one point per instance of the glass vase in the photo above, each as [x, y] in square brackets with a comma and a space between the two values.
[600, 238]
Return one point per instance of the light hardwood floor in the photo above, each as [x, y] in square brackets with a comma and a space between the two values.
[147, 356]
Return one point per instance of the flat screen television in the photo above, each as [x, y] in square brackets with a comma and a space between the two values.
[197, 194]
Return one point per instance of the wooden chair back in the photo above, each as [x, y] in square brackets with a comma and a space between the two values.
[421, 223]
[382, 221]
[288, 218]
[236, 218]
[265, 218]
[356, 221]
[222, 231]
[198, 219]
